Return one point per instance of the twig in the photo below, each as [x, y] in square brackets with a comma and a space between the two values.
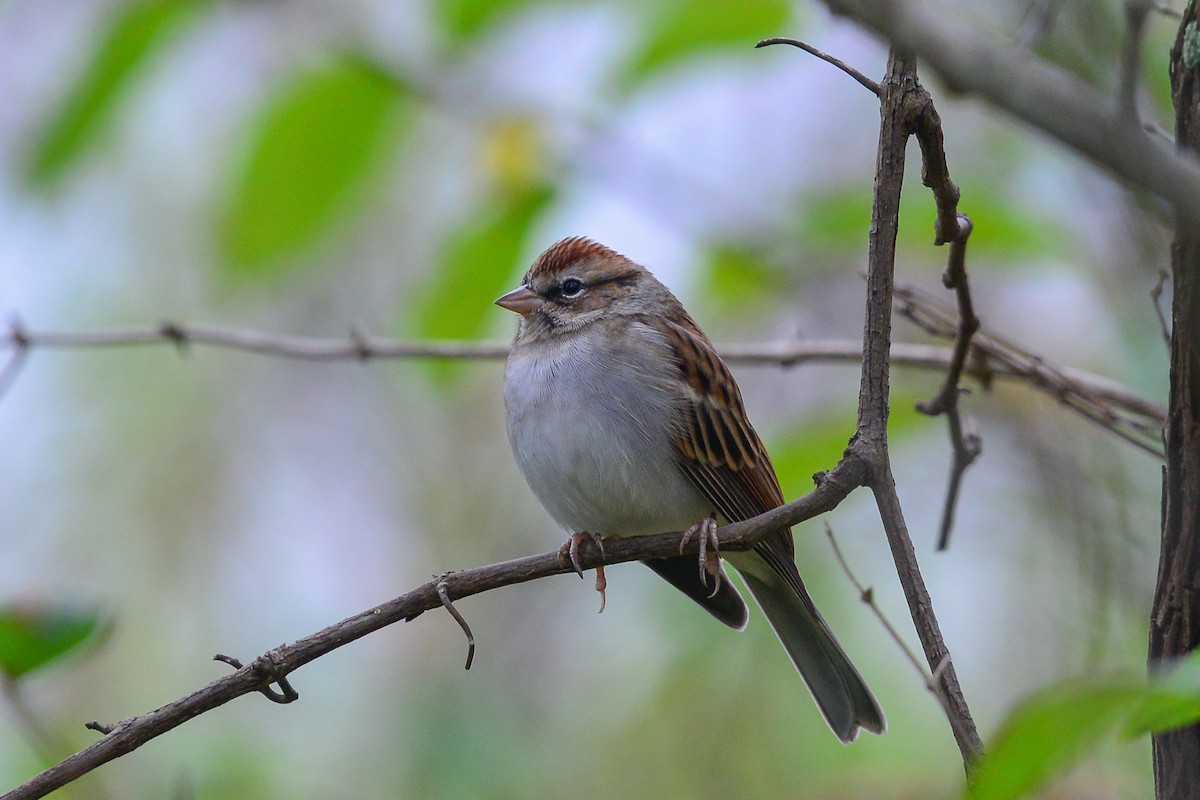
[1136, 12]
[274, 666]
[903, 101]
[867, 595]
[1156, 296]
[444, 596]
[955, 228]
[355, 347]
[871, 85]
[361, 347]
[965, 448]
[1138, 422]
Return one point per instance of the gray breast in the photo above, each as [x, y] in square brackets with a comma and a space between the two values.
[591, 429]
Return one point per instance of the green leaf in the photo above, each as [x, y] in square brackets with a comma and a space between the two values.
[1047, 734]
[1162, 710]
[33, 634]
[1057, 728]
[133, 34]
[477, 266]
[686, 27]
[1173, 700]
[311, 158]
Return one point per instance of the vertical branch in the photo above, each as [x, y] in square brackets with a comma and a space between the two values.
[901, 103]
[1175, 617]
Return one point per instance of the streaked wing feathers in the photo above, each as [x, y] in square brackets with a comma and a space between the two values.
[720, 450]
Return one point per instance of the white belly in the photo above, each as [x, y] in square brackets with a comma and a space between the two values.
[587, 433]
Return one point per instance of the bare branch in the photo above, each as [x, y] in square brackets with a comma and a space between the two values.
[870, 85]
[867, 595]
[274, 666]
[356, 347]
[966, 448]
[903, 100]
[1136, 420]
[362, 347]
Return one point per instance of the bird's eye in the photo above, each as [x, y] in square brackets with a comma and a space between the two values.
[571, 287]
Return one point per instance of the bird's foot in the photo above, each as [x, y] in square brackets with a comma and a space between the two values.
[710, 559]
[570, 552]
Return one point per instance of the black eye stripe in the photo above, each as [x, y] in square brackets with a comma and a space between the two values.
[563, 291]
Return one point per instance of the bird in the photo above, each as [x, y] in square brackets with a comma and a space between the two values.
[624, 421]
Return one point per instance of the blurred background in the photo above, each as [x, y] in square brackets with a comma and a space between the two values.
[310, 167]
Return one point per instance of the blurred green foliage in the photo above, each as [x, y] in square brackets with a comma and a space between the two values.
[680, 28]
[134, 33]
[34, 634]
[313, 155]
[319, 142]
[478, 263]
[837, 219]
[463, 20]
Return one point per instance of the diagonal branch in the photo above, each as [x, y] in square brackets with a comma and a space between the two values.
[274, 666]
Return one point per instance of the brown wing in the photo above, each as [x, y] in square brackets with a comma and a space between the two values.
[719, 449]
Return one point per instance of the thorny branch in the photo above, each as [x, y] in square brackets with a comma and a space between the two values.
[1099, 391]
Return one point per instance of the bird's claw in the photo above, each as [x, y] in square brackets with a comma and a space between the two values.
[710, 559]
[570, 552]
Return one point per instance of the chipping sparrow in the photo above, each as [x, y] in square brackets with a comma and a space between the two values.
[625, 422]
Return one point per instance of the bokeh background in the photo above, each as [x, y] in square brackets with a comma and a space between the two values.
[309, 167]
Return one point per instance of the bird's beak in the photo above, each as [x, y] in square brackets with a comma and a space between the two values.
[522, 300]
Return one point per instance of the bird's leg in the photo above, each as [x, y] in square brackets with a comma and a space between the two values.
[710, 560]
[570, 551]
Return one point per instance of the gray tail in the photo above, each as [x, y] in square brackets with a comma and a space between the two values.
[835, 684]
